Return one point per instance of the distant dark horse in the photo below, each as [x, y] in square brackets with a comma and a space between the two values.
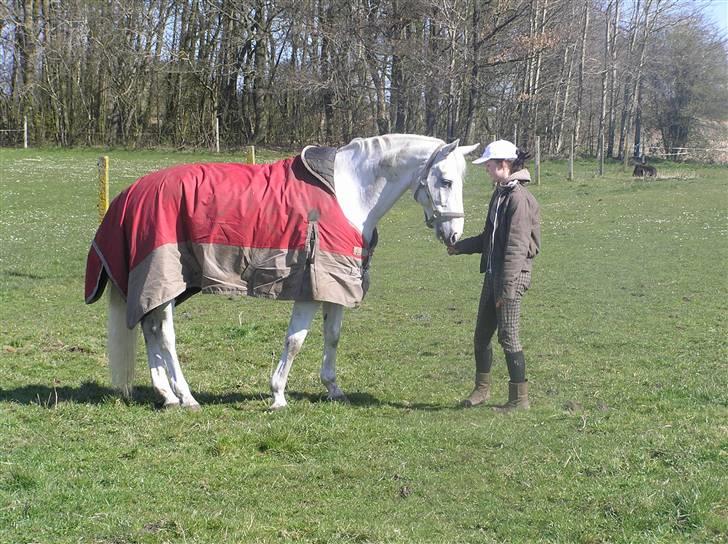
[642, 169]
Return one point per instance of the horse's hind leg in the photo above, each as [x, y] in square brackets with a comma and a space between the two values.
[298, 327]
[167, 378]
[333, 315]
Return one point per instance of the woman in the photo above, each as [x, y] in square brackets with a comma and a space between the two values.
[508, 244]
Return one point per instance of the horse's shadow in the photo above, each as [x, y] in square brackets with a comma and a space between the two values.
[95, 394]
[50, 396]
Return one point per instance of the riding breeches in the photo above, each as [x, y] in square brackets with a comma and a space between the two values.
[506, 319]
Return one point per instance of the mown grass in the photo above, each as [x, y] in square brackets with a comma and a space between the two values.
[624, 331]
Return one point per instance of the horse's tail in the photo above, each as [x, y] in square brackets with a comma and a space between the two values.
[121, 343]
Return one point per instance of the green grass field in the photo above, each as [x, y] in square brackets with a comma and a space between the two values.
[625, 336]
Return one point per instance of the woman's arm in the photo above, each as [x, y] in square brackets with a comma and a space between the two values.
[517, 243]
[468, 246]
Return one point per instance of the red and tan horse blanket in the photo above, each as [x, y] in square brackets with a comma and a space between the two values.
[269, 230]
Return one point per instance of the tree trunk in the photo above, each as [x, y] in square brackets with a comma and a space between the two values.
[536, 88]
[380, 101]
[326, 71]
[647, 26]
[451, 107]
[580, 84]
[603, 110]
[259, 64]
[431, 91]
[627, 97]
[613, 78]
[398, 93]
[473, 98]
[564, 108]
[30, 16]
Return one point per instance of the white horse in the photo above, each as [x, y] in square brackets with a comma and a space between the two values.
[370, 175]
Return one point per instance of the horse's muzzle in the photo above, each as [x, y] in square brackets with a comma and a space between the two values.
[450, 230]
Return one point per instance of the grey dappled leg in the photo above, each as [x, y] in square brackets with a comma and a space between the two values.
[301, 318]
[333, 316]
[167, 377]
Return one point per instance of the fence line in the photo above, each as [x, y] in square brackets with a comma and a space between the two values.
[216, 141]
[24, 130]
[713, 153]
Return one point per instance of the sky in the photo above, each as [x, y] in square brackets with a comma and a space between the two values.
[715, 11]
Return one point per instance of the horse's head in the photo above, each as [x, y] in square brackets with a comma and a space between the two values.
[439, 191]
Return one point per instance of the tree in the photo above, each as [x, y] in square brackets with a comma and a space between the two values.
[163, 72]
[687, 81]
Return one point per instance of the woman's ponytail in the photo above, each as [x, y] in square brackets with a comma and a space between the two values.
[520, 161]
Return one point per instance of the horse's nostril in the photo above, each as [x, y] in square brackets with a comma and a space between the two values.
[453, 238]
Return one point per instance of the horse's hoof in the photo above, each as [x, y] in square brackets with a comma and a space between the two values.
[170, 405]
[192, 407]
[276, 406]
[342, 399]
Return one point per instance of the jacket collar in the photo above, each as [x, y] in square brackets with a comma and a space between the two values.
[522, 176]
[515, 179]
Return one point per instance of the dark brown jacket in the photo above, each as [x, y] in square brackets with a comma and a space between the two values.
[517, 237]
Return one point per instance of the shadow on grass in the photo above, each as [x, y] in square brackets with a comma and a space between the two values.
[23, 275]
[49, 396]
[365, 400]
[95, 394]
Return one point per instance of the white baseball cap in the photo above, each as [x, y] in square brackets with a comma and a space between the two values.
[500, 149]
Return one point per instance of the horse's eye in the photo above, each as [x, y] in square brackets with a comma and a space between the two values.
[446, 183]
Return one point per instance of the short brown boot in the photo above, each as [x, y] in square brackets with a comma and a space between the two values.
[517, 398]
[481, 393]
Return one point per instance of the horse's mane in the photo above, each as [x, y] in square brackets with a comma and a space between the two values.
[389, 147]
[388, 141]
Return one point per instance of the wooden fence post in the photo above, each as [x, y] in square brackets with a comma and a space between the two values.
[103, 203]
[217, 135]
[571, 159]
[538, 160]
[25, 132]
[250, 156]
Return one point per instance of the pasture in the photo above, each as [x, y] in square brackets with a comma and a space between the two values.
[624, 331]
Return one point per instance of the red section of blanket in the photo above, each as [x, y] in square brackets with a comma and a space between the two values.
[232, 204]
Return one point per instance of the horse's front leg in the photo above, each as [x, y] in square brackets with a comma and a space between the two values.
[167, 378]
[333, 315]
[301, 318]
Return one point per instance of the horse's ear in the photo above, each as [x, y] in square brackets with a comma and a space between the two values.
[448, 148]
[467, 149]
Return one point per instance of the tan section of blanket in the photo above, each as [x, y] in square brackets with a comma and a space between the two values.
[177, 271]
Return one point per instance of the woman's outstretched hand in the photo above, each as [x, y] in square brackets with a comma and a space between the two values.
[452, 250]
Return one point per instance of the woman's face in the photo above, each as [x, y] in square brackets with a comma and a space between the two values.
[498, 170]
